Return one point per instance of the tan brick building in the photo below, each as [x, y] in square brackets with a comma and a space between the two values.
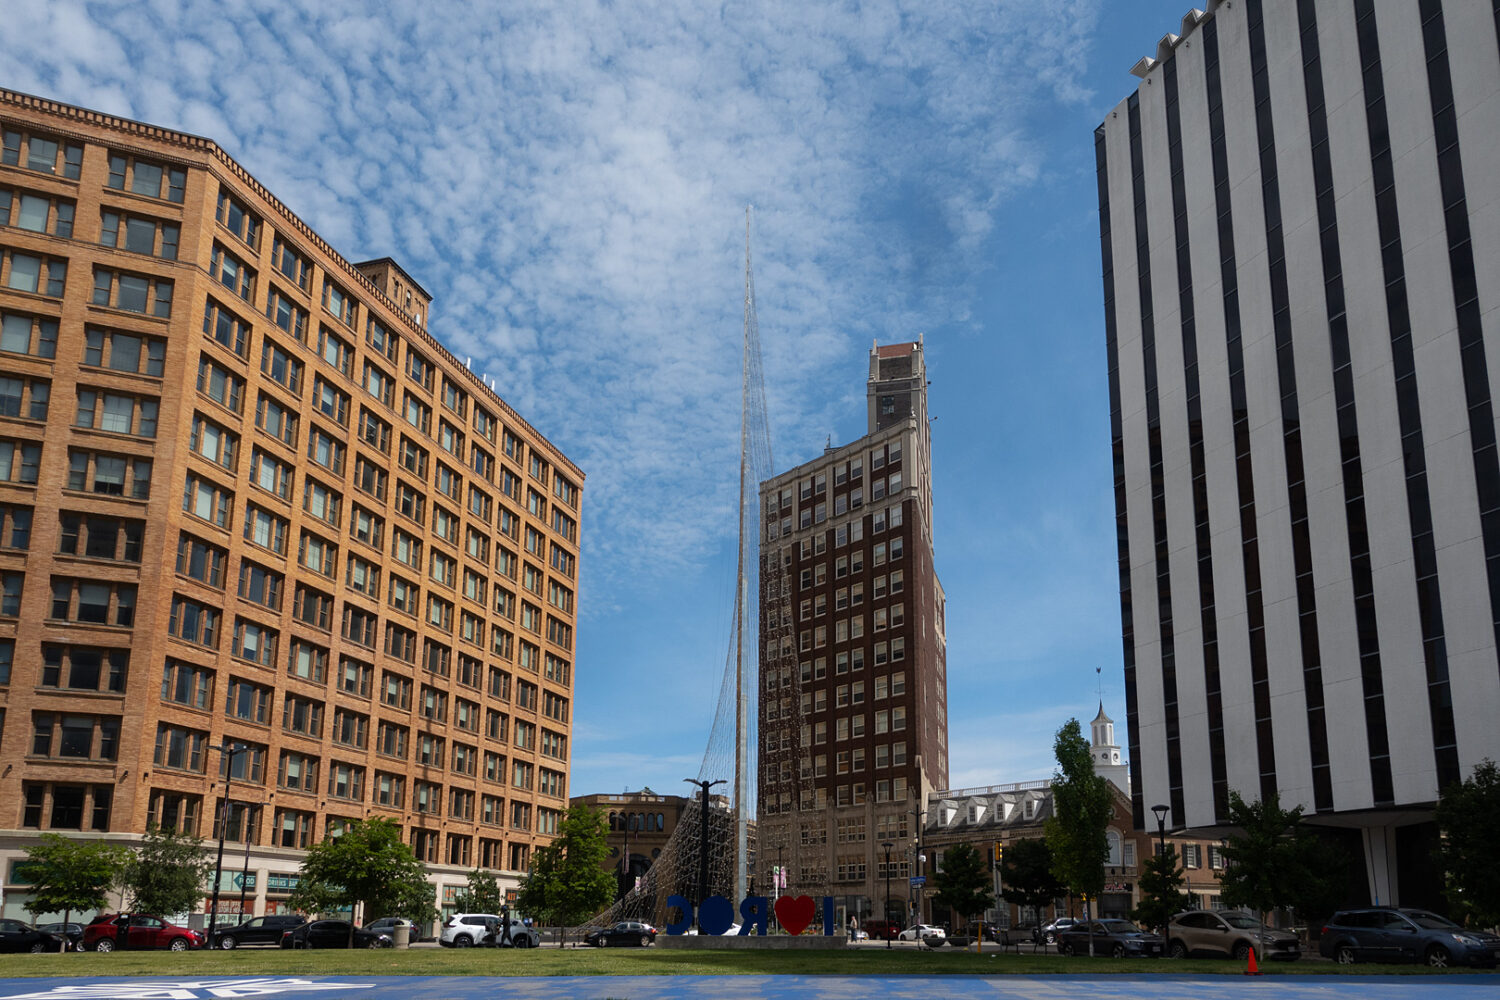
[246, 498]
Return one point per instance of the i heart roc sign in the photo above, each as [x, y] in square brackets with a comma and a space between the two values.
[716, 914]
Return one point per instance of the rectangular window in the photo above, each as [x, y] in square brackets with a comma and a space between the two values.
[313, 607]
[276, 420]
[290, 264]
[41, 154]
[277, 364]
[331, 402]
[325, 449]
[115, 413]
[196, 559]
[286, 314]
[207, 499]
[248, 701]
[219, 385]
[302, 716]
[271, 475]
[260, 585]
[255, 642]
[338, 303]
[147, 294]
[231, 272]
[32, 335]
[181, 749]
[265, 529]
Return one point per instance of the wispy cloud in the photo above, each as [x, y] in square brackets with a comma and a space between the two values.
[569, 178]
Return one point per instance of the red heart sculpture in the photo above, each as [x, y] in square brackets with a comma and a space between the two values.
[794, 913]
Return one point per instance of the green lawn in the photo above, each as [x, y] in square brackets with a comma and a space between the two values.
[622, 962]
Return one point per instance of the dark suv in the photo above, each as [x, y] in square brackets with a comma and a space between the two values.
[1385, 934]
[259, 930]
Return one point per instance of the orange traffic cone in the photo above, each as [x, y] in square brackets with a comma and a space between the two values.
[1251, 969]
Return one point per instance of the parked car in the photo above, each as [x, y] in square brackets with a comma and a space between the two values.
[1048, 932]
[882, 930]
[259, 930]
[1386, 934]
[73, 932]
[331, 934]
[1117, 938]
[18, 936]
[109, 931]
[920, 932]
[388, 925]
[465, 930]
[1228, 934]
[624, 933]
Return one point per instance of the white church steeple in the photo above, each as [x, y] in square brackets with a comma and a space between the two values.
[1108, 763]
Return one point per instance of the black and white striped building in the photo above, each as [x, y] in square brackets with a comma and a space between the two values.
[1300, 229]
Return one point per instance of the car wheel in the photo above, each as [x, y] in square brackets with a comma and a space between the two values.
[1241, 951]
[645, 940]
[1345, 954]
[374, 943]
[603, 941]
[1118, 951]
[177, 944]
[598, 942]
[1065, 949]
[1438, 957]
[38, 948]
[463, 941]
[104, 945]
[1051, 937]
[1178, 950]
[227, 942]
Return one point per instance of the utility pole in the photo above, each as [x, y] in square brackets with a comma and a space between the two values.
[704, 786]
[229, 750]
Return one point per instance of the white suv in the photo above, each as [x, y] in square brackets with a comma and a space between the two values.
[465, 930]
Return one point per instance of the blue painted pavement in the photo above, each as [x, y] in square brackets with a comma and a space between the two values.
[1119, 987]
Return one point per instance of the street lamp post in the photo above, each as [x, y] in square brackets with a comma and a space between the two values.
[703, 839]
[1161, 852]
[228, 750]
[888, 845]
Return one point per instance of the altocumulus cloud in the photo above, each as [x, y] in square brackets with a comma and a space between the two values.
[568, 178]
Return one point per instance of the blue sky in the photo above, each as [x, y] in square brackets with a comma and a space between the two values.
[569, 178]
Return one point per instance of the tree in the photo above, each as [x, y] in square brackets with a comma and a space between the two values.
[1469, 814]
[167, 872]
[482, 894]
[569, 881]
[1026, 877]
[71, 875]
[964, 883]
[367, 863]
[1275, 862]
[1161, 890]
[1080, 814]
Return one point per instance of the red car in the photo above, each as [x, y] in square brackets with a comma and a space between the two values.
[109, 931]
[882, 930]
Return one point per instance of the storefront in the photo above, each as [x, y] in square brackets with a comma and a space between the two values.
[1116, 901]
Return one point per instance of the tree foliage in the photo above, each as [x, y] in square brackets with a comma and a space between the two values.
[964, 883]
[70, 876]
[1161, 890]
[569, 880]
[1080, 815]
[481, 894]
[1274, 861]
[1026, 876]
[1469, 814]
[167, 872]
[367, 863]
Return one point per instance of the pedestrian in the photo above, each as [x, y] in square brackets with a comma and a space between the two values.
[505, 941]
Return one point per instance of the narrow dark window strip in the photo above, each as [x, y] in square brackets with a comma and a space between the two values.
[1476, 394]
[1117, 451]
[1245, 484]
[1203, 534]
[1286, 373]
[1338, 335]
[1161, 552]
[1382, 168]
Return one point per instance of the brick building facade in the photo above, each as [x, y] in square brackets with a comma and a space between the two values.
[853, 677]
[247, 499]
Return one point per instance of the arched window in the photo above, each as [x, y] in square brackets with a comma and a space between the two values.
[1114, 848]
[612, 821]
[661, 822]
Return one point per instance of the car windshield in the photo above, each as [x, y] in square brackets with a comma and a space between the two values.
[1240, 920]
[1429, 921]
[1119, 927]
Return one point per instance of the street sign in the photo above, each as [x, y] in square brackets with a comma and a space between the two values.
[917, 880]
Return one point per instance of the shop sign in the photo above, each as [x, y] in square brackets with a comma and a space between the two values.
[1117, 887]
[235, 881]
[450, 895]
[282, 883]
